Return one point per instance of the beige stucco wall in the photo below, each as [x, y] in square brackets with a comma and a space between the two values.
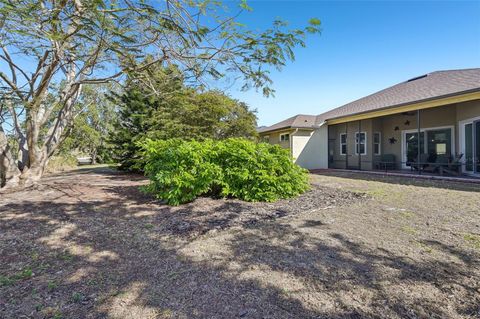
[299, 138]
[314, 154]
[468, 110]
[274, 138]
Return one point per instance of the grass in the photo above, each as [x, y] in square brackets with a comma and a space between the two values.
[52, 285]
[77, 297]
[473, 239]
[409, 230]
[149, 226]
[26, 273]
[65, 256]
[407, 214]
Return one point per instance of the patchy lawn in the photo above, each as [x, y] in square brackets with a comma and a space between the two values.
[88, 244]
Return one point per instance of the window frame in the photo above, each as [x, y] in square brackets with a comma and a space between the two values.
[379, 143]
[357, 142]
[341, 143]
[284, 134]
[266, 139]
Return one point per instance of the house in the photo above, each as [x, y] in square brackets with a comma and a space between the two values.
[292, 133]
[429, 122]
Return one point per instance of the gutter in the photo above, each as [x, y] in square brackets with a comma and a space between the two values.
[405, 104]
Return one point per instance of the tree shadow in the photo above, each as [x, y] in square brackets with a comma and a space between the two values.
[113, 251]
[337, 268]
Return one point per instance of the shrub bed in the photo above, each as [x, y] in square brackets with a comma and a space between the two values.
[179, 171]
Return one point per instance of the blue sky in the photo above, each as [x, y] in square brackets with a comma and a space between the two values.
[365, 46]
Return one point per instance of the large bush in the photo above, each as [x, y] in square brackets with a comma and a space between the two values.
[180, 171]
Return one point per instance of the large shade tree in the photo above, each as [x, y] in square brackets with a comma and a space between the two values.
[77, 42]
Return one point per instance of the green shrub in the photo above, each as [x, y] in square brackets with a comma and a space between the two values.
[180, 171]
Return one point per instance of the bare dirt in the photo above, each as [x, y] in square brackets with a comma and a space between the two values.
[88, 244]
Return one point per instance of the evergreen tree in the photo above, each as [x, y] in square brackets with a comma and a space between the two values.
[170, 109]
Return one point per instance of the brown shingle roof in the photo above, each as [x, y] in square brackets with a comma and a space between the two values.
[429, 86]
[297, 121]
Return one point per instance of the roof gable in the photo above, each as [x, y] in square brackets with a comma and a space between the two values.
[297, 121]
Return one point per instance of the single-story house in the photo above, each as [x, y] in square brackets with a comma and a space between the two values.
[292, 133]
[427, 123]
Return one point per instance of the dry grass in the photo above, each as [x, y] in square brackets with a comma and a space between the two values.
[88, 244]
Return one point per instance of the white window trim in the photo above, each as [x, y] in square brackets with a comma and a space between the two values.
[266, 138]
[366, 141]
[425, 146]
[461, 128]
[283, 134]
[379, 143]
[341, 144]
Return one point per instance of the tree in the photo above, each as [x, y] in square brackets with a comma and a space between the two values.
[47, 42]
[176, 111]
[93, 124]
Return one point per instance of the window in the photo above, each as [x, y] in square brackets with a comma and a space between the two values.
[377, 141]
[439, 142]
[266, 139]
[284, 137]
[343, 144]
[360, 143]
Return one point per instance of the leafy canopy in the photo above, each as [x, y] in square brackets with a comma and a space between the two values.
[170, 109]
[80, 42]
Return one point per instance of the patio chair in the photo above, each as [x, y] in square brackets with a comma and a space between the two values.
[441, 162]
[423, 162]
[453, 167]
[387, 161]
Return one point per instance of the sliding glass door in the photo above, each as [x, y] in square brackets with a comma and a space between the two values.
[477, 146]
[434, 142]
[411, 146]
[471, 147]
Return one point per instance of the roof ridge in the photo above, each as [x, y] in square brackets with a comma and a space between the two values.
[450, 70]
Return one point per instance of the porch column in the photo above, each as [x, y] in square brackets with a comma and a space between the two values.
[359, 149]
[346, 145]
[419, 148]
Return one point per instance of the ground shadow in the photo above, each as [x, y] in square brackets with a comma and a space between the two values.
[116, 252]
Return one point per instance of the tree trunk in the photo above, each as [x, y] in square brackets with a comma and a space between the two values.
[94, 157]
[11, 177]
[9, 172]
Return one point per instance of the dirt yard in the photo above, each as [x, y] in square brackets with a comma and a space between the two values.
[88, 244]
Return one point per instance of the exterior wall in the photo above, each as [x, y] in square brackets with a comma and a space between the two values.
[299, 138]
[274, 138]
[315, 152]
[434, 117]
[392, 127]
[352, 160]
[468, 110]
[311, 149]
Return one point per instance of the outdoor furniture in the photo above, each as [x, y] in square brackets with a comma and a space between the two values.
[387, 161]
[438, 165]
[419, 165]
[453, 167]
